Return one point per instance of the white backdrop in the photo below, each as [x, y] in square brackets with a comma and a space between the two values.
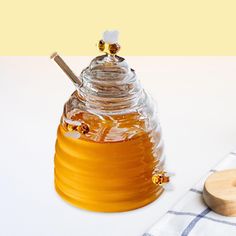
[196, 99]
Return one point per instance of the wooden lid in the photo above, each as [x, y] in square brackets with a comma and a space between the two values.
[219, 192]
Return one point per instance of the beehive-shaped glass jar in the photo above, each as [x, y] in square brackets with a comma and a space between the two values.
[109, 146]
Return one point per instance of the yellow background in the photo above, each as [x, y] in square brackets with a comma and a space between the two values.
[147, 27]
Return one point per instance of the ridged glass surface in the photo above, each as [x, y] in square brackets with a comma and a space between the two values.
[110, 166]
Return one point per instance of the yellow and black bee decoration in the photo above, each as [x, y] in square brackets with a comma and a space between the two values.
[109, 43]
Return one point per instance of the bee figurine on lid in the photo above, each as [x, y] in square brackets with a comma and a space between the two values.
[109, 151]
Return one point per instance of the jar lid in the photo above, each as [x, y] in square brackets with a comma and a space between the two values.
[108, 82]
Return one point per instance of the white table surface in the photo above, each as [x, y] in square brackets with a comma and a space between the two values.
[197, 107]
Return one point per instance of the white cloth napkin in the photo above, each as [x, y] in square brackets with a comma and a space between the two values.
[190, 216]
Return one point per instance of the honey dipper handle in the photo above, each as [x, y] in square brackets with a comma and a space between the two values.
[66, 69]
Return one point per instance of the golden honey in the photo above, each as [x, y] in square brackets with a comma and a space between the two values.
[105, 176]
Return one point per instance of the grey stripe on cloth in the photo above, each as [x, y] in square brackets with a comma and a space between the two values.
[195, 190]
[205, 217]
[193, 223]
[147, 234]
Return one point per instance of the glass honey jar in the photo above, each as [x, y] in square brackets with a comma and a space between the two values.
[109, 151]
